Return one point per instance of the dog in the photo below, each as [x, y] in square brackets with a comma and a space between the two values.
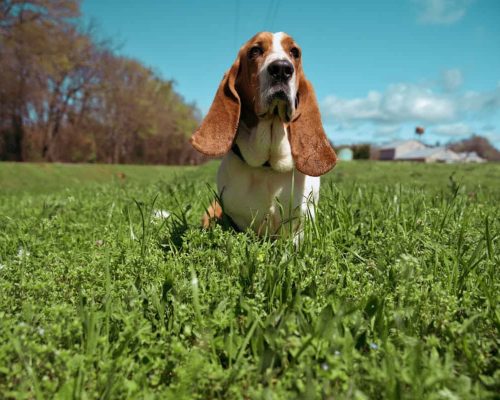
[265, 122]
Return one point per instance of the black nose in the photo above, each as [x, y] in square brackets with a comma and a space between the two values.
[280, 70]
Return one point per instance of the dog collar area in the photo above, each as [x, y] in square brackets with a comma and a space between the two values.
[236, 150]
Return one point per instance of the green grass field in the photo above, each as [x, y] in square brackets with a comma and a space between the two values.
[392, 295]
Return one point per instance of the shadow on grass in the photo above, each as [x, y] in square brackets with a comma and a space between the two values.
[174, 239]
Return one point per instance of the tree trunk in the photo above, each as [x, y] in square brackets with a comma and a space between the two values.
[13, 139]
[47, 144]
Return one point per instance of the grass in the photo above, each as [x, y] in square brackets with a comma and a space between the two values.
[393, 293]
[38, 178]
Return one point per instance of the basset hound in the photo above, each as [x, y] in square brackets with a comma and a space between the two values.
[265, 122]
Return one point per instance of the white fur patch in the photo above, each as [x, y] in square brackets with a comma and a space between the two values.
[268, 141]
[277, 53]
[259, 198]
[255, 143]
[281, 159]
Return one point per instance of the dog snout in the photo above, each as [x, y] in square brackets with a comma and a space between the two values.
[280, 70]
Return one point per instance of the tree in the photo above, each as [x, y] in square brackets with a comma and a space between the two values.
[480, 145]
[64, 96]
[361, 151]
[27, 30]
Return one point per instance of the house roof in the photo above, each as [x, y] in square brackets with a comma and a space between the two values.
[471, 155]
[398, 143]
[442, 153]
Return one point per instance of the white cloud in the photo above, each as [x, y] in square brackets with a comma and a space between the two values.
[354, 109]
[441, 12]
[481, 101]
[452, 79]
[395, 111]
[411, 103]
[388, 130]
[457, 129]
[400, 102]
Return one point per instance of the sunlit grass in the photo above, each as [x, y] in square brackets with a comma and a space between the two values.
[392, 294]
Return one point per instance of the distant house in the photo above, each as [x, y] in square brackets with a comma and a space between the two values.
[345, 154]
[471, 157]
[413, 150]
[394, 150]
[430, 154]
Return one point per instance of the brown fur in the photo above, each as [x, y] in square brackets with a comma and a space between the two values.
[215, 135]
[311, 150]
[247, 82]
[235, 99]
[214, 213]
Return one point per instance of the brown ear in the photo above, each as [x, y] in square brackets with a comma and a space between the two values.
[216, 134]
[311, 150]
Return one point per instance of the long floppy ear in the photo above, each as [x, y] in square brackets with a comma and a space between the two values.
[216, 133]
[311, 150]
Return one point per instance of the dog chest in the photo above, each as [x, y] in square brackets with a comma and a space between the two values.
[261, 197]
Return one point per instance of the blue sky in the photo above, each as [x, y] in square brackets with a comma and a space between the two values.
[379, 67]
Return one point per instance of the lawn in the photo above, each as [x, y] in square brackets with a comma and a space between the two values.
[392, 295]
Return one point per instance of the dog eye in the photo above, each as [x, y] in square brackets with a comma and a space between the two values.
[294, 52]
[255, 52]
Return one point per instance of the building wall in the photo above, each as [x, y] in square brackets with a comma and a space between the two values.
[390, 153]
[387, 154]
[405, 147]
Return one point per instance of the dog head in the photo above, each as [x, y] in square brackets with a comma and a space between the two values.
[267, 80]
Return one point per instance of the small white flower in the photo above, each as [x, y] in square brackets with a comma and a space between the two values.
[194, 281]
[337, 353]
[373, 346]
[325, 366]
[22, 252]
[161, 214]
